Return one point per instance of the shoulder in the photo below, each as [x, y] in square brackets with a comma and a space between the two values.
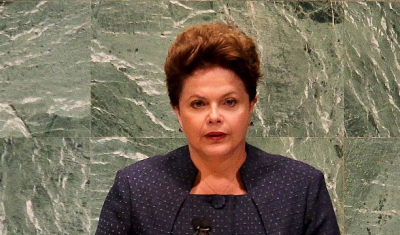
[263, 160]
[265, 168]
[158, 162]
[288, 191]
[173, 166]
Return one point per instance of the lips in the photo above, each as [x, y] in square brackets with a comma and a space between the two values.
[215, 135]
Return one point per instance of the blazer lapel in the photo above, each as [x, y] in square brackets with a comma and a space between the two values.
[180, 168]
[253, 173]
[182, 172]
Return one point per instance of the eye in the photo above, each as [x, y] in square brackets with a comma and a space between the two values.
[197, 104]
[230, 102]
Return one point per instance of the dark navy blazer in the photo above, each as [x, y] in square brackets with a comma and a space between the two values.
[290, 196]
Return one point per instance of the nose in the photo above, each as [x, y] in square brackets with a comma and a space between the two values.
[214, 115]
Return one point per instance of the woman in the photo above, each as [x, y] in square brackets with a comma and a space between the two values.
[217, 183]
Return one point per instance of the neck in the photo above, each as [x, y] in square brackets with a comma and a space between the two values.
[219, 174]
[219, 166]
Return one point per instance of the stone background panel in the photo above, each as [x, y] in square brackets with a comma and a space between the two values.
[82, 95]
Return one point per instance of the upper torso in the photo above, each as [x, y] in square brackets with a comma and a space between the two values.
[153, 197]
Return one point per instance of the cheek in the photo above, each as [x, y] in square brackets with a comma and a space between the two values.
[245, 115]
[191, 121]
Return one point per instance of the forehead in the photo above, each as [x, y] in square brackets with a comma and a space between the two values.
[213, 80]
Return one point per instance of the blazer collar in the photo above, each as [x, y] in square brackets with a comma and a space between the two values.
[254, 174]
[183, 171]
[180, 167]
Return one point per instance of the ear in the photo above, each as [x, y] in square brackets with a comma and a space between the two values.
[253, 103]
[178, 114]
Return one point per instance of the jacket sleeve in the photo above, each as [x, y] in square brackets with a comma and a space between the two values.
[320, 215]
[115, 216]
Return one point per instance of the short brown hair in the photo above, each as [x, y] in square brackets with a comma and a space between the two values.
[207, 45]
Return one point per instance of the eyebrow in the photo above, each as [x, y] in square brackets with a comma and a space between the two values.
[202, 97]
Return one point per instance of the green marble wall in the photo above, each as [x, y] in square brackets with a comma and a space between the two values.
[82, 94]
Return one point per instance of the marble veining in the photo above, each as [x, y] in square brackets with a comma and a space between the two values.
[44, 186]
[371, 64]
[82, 94]
[44, 68]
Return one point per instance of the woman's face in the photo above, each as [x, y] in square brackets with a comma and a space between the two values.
[214, 112]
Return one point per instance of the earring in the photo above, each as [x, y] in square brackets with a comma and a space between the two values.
[251, 123]
[180, 129]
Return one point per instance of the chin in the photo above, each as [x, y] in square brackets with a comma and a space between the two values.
[217, 150]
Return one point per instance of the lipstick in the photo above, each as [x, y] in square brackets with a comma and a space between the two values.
[215, 135]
